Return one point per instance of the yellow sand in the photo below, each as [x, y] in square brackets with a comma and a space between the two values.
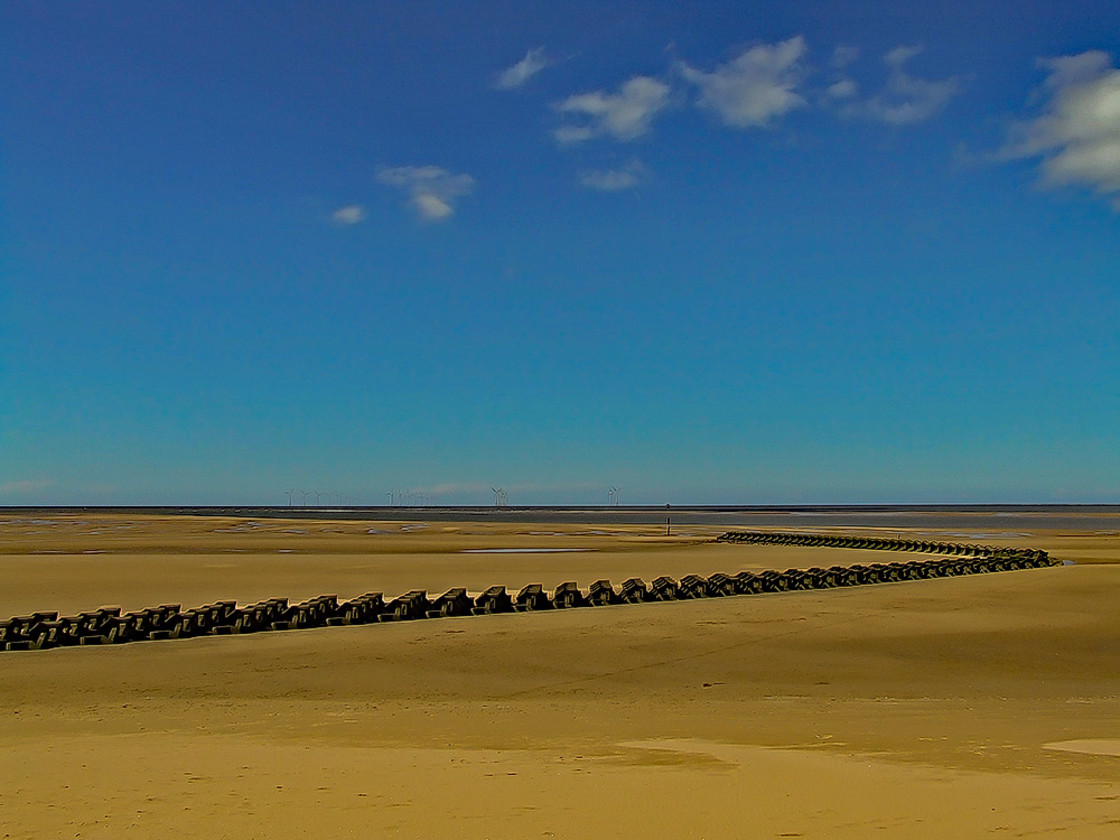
[964, 707]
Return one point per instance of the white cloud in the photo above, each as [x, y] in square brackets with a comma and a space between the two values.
[905, 99]
[625, 115]
[1069, 70]
[755, 88]
[517, 75]
[351, 214]
[843, 89]
[432, 206]
[1077, 132]
[614, 180]
[431, 191]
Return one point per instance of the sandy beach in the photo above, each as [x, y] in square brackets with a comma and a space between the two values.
[967, 707]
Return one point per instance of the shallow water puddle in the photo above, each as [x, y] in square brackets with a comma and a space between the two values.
[697, 750]
[1089, 746]
[521, 550]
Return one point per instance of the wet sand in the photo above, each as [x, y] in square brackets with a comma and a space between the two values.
[965, 707]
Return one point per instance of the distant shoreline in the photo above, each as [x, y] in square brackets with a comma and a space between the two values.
[1015, 516]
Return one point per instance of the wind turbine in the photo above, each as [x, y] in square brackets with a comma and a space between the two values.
[290, 494]
[305, 495]
[499, 496]
[616, 491]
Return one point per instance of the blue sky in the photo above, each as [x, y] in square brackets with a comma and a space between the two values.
[716, 252]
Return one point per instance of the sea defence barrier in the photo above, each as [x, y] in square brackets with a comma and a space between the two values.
[110, 625]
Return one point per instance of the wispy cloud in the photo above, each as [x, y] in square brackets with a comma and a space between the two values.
[751, 91]
[614, 180]
[351, 214]
[842, 89]
[1077, 130]
[17, 488]
[625, 115]
[842, 86]
[567, 134]
[432, 191]
[843, 55]
[477, 492]
[514, 77]
[906, 99]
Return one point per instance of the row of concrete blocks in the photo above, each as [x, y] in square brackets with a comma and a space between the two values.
[884, 544]
[109, 626]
